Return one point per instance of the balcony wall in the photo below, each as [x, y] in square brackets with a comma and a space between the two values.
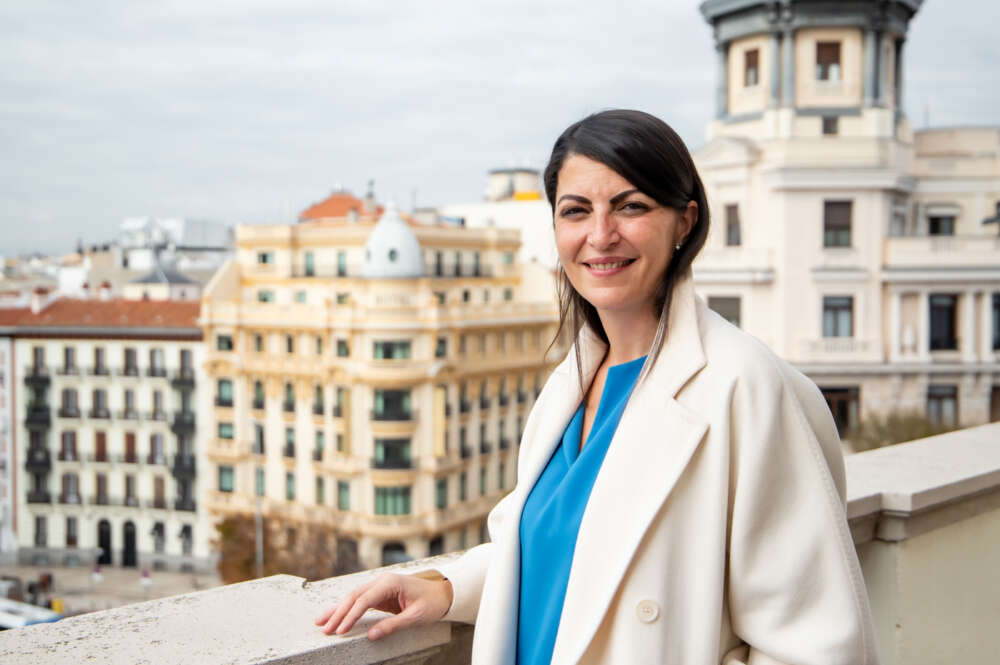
[925, 517]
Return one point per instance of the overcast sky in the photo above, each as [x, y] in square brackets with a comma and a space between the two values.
[249, 111]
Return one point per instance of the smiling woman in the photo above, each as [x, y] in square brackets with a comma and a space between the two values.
[680, 494]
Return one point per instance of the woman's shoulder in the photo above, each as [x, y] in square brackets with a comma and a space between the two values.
[731, 351]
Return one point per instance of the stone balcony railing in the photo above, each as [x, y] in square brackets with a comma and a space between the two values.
[925, 517]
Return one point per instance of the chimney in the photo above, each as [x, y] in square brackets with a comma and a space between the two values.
[39, 299]
[368, 202]
[86, 290]
[105, 292]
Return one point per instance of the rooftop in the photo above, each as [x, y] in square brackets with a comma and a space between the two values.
[73, 313]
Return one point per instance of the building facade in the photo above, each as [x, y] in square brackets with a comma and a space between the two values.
[852, 245]
[105, 433]
[373, 379]
[8, 541]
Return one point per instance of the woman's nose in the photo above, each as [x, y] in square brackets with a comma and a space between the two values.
[603, 231]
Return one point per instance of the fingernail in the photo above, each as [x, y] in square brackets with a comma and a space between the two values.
[376, 633]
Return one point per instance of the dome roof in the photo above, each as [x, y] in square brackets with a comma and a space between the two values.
[392, 250]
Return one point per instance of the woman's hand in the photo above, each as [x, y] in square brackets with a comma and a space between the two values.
[414, 602]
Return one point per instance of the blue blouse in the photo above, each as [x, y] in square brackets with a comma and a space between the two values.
[552, 513]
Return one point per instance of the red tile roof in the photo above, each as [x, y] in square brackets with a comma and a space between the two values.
[118, 312]
[337, 205]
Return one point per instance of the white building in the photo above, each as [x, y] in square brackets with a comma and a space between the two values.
[8, 544]
[851, 245]
[107, 449]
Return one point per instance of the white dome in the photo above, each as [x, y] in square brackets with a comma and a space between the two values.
[392, 249]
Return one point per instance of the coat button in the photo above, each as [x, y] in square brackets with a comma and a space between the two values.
[647, 611]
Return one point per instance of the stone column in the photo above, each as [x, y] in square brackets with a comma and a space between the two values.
[895, 304]
[968, 331]
[722, 86]
[924, 326]
[986, 327]
[775, 99]
[788, 69]
[881, 70]
[870, 68]
[899, 75]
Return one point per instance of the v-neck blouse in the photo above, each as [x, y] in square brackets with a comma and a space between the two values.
[550, 520]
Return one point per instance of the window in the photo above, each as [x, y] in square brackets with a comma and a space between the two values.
[259, 485]
[265, 295]
[225, 478]
[462, 487]
[508, 295]
[728, 307]
[441, 350]
[131, 363]
[225, 430]
[258, 395]
[392, 454]
[838, 316]
[828, 61]
[99, 366]
[320, 491]
[224, 342]
[265, 258]
[290, 485]
[156, 366]
[258, 343]
[843, 403]
[476, 270]
[258, 439]
[342, 298]
[289, 404]
[462, 344]
[942, 405]
[486, 295]
[836, 223]
[289, 442]
[69, 360]
[751, 68]
[830, 125]
[343, 495]
[392, 350]
[391, 405]
[441, 493]
[501, 472]
[41, 538]
[341, 264]
[996, 321]
[441, 297]
[318, 400]
[300, 296]
[941, 225]
[340, 442]
[466, 295]
[310, 265]
[458, 264]
[508, 258]
[732, 225]
[343, 350]
[224, 394]
[943, 306]
[482, 481]
[392, 500]
[438, 264]
[319, 346]
[289, 344]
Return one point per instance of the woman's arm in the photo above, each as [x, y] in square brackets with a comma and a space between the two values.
[795, 591]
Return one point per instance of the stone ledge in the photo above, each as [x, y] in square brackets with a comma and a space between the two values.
[901, 491]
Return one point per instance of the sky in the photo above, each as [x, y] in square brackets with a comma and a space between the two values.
[249, 111]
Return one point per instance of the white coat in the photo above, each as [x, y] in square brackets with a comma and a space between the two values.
[715, 531]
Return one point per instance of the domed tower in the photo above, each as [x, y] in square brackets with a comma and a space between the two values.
[392, 250]
[791, 68]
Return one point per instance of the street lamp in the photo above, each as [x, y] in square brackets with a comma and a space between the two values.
[995, 219]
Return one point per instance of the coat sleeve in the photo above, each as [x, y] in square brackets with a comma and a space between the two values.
[795, 590]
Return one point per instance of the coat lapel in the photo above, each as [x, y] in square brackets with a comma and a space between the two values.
[652, 445]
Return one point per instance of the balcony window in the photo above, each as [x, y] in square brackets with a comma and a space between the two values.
[398, 350]
[392, 500]
[310, 264]
[942, 323]
[258, 481]
[996, 321]
[392, 405]
[225, 478]
[836, 223]
[320, 444]
[37, 358]
[71, 532]
[156, 453]
[844, 404]
[501, 473]
[476, 268]
[69, 407]
[224, 342]
[289, 442]
[67, 451]
[290, 485]
[41, 537]
[158, 413]
[318, 400]
[258, 395]
[289, 344]
[224, 393]
[265, 295]
[728, 307]
[319, 346]
[838, 316]
[320, 491]
[100, 367]
[482, 481]
[159, 536]
[466, 295]
[441, 493]
[508, 295]
[458, 264]
[258, 439]
[156, 366]
[70, 488]
[828, 61]
[438, 264]
[131, 362]
[100, 446]
[289, 404]
[343, 349]
[343, 495]
[340, 442]
[225, 430]
[99, 404]
[392, 454]
[463, 489]
[942, 405]
[830, 125]
[732, 225]
[941, 225]
[187, 364]
[130, 498]
[341, 264]
[751, 68]
[265, 258]
[69, 360]
[441, 349]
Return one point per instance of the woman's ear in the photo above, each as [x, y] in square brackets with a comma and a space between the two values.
[689, 217]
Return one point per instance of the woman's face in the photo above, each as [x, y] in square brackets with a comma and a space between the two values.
[614, 242]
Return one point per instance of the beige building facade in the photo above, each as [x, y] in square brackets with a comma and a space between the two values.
[852, 245]
[372, 379]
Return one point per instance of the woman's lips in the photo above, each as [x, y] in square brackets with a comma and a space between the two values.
[606, 267]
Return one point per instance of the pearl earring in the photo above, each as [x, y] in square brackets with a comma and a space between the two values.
[677, 247]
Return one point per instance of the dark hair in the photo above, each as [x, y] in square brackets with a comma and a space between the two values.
[651, 156]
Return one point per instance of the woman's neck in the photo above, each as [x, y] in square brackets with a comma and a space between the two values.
[630, 334]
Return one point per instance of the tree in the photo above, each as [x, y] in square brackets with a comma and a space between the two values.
[877, 430]
[304, 550]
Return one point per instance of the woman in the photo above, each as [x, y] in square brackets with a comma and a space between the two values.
[680, 493]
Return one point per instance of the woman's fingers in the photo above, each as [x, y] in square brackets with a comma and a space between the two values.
[371, 598]
[390, 625]
[411, 600]
[333, 616]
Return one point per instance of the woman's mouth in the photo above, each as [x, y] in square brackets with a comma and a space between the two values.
[608, 267]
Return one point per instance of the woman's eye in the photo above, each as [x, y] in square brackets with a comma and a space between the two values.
[575, 210]
[634, 206]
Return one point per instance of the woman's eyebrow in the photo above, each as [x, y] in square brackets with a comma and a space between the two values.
[573, 197]
[617, 198]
